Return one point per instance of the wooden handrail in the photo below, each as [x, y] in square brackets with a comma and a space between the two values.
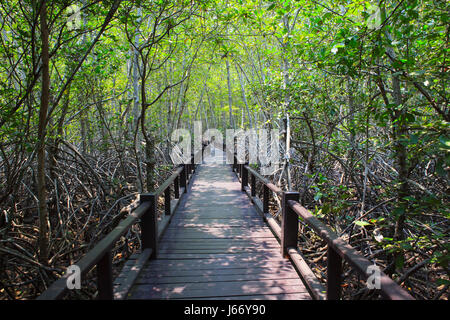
[390, 289]
[146, 214]
[168, 182]
[338, 249]
[269, 184]
[59, 287]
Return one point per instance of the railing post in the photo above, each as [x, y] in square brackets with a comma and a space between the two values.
[176, 187]
[105, 277]
[334, 274]
[289, 224]
[184, 178]
[244, 176]
[253, 185]
[167, 201]
[265, 199]
[149, 225]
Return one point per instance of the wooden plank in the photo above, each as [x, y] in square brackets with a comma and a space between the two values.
[212, 250]
[273, 250]
[213, 228]
[257, 230]
[217, 245]
[280, 296]
[340, 248]
[146, 279]
[207, 233]
[218, 210]
[255, 241]
[124, 285]
[230, 256]
[217, 289]
[59, 287]
[215, 223]
[211, 236]
[274, 226]
[149, 272]
[315, 288]
[213, 264]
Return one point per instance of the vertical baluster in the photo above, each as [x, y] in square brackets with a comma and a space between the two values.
[167, 201]
[253, 185]
[149, 225]
[265, 199]
[334, 274]
[176, 187]
[244, 177]
[105, 277]
[183, 178]
[289, 224]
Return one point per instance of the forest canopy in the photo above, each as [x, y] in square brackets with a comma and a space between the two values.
[91, 91]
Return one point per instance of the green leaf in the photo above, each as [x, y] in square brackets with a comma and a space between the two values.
[399, 261]
[445, 141]
[442, 282]
[440, 167]
[318, 196]
[362, 223]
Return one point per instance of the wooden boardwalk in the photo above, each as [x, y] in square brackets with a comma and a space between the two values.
[211, 243]
[218, 247]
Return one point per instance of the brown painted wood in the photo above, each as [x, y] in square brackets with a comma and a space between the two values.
[167, 201]
[282, 296]
[342, 250]
[101, 253]
[176, 187]
[265, 199]
[59, 287]
[218, 263]
[231, 256]
[289, 224]
[153, 272]
[218, 246]
[315, 288]
[217, 289]
[216, 278]
[126, 279]
[334, 274]
[104, 277]
[149, 226]
[192, 248]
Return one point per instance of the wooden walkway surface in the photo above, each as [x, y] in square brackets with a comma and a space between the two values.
[218, 247]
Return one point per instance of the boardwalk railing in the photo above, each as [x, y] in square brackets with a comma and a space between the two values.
[146, 215]
[338, 249]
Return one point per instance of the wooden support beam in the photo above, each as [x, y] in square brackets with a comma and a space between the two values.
[289, 224]
[167, 201]
[105, 277]
[334, 274]
[149, 225]
[265, 199]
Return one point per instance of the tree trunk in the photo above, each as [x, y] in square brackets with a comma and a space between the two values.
[230, 97]
[44, 226]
